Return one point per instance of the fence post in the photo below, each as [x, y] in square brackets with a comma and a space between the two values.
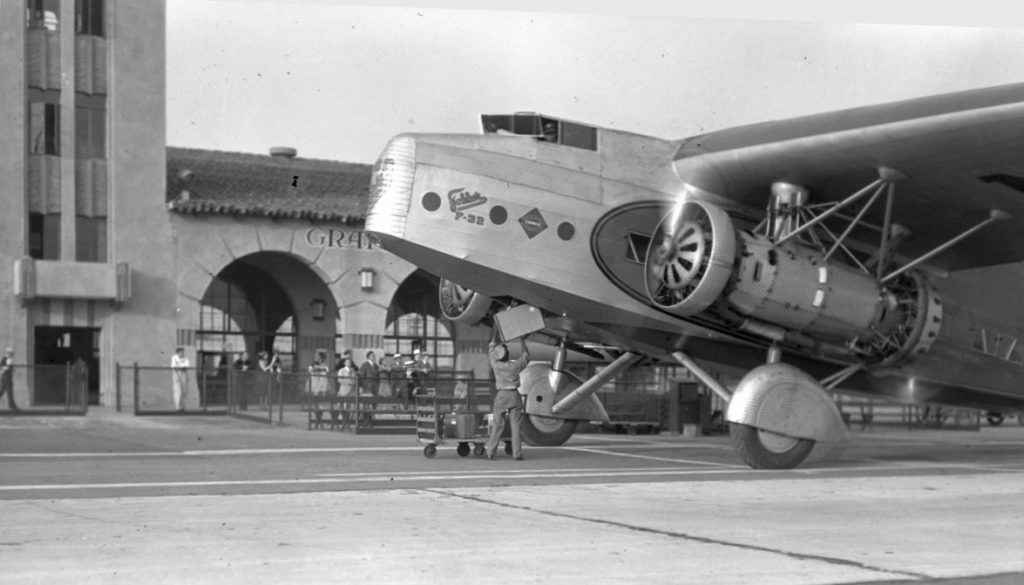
[68, 385]
[270, 397]
[357, 412]
[117, 386]
[280, 403]
[135, 387]
[230, 391]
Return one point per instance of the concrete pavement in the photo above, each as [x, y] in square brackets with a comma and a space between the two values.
[899, 507]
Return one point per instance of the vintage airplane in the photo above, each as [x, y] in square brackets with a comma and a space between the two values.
[876, 249]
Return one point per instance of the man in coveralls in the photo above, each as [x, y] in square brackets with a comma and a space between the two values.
[507, 399]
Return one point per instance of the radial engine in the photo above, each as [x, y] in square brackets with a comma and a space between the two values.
[786, 289]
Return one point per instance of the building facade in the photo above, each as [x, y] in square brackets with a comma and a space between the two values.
[117, 249]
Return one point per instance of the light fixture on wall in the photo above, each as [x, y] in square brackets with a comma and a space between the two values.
[319, 309]
[366, 278]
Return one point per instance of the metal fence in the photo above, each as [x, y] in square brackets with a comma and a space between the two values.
[50, 389]
[151, 390]
[298, 397]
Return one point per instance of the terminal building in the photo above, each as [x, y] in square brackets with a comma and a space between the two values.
[117, 248]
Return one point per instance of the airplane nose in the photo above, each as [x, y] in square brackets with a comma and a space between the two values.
[391, 187]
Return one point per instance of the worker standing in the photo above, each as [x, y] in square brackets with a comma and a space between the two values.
[507, 400]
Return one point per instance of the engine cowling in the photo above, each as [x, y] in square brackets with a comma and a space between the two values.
[690, 259]
[462, 305]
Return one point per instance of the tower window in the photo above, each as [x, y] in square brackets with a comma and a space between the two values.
[44, 236]
[89, 17]
[44, 128]
[42, 14]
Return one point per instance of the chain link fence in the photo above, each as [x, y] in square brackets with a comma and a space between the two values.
[48, 389]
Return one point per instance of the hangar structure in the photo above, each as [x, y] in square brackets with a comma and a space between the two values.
[116, 248]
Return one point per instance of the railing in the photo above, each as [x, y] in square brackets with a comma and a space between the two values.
[152, 390]
[49, 389]
[280, 397]
[393, 407]
[865, 412]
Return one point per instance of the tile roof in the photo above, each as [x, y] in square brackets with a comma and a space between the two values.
[234, 183]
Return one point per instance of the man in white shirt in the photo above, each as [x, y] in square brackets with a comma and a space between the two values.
[179, 377]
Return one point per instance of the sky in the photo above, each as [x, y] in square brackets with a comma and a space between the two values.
[335, 80]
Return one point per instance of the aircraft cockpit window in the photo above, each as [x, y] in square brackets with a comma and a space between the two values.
[542, 128]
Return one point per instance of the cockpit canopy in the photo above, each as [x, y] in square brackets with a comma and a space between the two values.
[542, 128]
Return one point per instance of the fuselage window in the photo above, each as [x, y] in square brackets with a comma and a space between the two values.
[636, 249]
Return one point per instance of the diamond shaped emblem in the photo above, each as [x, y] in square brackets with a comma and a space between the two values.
[533, 223]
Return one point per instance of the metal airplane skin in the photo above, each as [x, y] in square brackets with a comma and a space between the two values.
[875, 250]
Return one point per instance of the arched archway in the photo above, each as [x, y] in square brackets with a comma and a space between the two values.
[414, 321]
[265, 301]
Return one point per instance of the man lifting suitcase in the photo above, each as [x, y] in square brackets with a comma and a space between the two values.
[507, 400]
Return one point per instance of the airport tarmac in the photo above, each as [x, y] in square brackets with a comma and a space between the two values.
[114, 498]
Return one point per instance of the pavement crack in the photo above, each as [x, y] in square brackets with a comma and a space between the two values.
[688, 537]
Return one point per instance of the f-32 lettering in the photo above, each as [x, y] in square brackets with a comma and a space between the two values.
[459, 200]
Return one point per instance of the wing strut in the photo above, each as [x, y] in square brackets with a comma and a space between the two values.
[789, 208]
[993, 216]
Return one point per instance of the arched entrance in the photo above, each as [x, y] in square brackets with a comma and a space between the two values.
[268, 301]
[414, 321]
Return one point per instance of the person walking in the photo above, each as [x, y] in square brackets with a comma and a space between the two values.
[507, 401]
[7, 378]
[179, 377]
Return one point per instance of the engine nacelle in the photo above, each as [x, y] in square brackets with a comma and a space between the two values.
[795, 287]
[461, 304]
[698, 261]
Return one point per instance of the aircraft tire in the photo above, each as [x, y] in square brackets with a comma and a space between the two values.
[543, 431]
[761, 450]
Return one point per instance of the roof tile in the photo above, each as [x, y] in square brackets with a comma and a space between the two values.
[242, 184]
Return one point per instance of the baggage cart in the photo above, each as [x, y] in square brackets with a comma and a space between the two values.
[437, 424]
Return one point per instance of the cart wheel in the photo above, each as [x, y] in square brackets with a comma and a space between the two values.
[508, 447]
[478, 450]
[429, 451]
[995, 418]
[463, 449]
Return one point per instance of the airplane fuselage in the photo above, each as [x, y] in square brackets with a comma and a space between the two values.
[568, 229]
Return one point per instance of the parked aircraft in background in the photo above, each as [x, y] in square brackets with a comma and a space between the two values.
[876, 250]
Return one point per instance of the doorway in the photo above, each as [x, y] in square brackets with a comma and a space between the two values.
[61, 346]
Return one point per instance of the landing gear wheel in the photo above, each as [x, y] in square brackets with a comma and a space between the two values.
[766, 450]
[478, 450]
[429, 451]
[546, 431]
[463, 449]
[508, 448]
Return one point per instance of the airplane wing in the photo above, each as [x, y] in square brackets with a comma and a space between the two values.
[962, 153]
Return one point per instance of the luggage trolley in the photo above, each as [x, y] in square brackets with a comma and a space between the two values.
[432, 428]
